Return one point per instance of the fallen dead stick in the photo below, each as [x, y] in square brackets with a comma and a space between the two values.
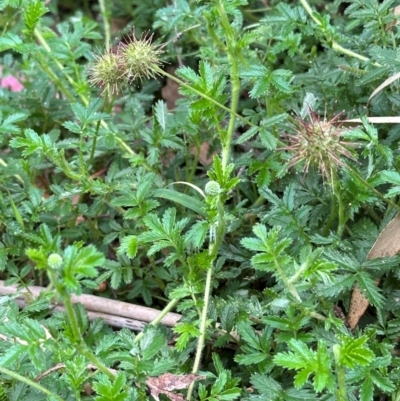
[101, 305]
[114, 313]
[112, 320]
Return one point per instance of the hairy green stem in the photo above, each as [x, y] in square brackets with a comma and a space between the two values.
[94, 143]
[96, 133]
[204, 96]
[374, 216]
[226, 139]
[288, 284]
[315, 315]
[203, 322]
[79, 344]
[71, 316]
[77, 337]
[341, 394]
[55, 79]
[171, 305]
[29, 382]
[106, 24]
[334, 45]
[341, 215]
[396, 396]
[297, 276]
[43, 42]
[235, 82]
[213, 251]
[231, 49]
[331, 218]
[95, 361]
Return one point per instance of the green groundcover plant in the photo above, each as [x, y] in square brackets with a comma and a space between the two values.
[247, 202]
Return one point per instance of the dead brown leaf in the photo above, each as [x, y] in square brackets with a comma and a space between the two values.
[204, 158]
[387, 244]
[169, 382]
[396, 12]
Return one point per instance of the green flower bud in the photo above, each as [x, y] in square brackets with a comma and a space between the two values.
[212, 188]
[55, 261]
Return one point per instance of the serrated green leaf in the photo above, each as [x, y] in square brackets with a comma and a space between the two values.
[265, 384]
[8, 125]
[382, 382]
[353, 352]
[12, 354]
[219, 384]
[250, 359]
[370, 290]
[323, 372]
[151, 343]
[248, 335]
[129, 246]
[161, 114]
[197, 234]
[32, 14]
[229, 394]
[268, 139]
[247, 135]
[390, 176]
[367, 390]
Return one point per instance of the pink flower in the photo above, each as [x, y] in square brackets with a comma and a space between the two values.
[11, 83]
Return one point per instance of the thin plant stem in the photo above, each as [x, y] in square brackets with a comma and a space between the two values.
[226, 140]
[234, 78]
[71, 317]
[96, 133]
[374, 216]
[203, 323]
[77, 337]
[235, 82]
[203, 95]
[341, 216]
[334, 45]
[55, 79]
[81, 347]
[383, 31]
[297, 276]
[43, 42]
[340, 375]
[171, 305]
[29, 382]
[94, 143]
[289, 285]
[213, 250]
[331, 218]
[79, 344]
[196, 303]
[106, 24]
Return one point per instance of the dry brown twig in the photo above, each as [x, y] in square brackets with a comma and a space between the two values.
[101, 306]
